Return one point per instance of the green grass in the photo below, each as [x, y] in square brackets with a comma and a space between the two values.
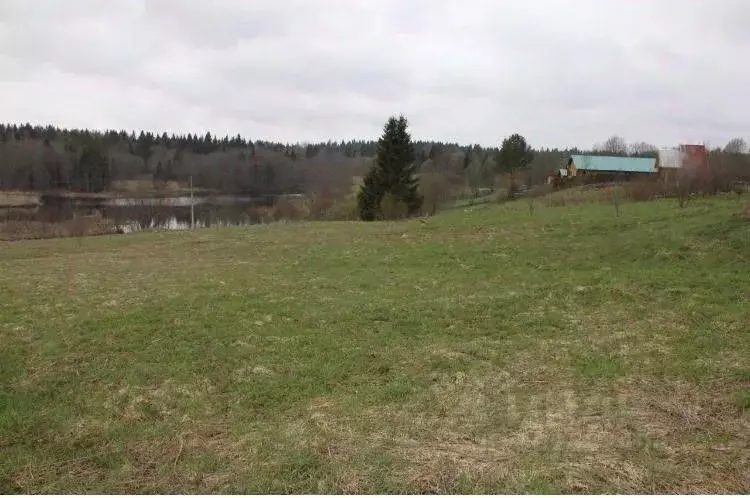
[487, 350]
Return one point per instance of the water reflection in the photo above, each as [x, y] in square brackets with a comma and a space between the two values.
[183, 201]
[162, 213]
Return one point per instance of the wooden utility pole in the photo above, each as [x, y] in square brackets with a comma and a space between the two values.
[192, 205]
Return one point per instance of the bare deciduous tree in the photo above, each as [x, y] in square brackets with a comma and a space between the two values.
[642, 149]
[614, 145]
[736, 146]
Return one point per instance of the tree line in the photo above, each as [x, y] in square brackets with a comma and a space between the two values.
[44, 158]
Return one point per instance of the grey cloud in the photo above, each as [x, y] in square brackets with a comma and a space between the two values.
[564, 72]
[218, 24]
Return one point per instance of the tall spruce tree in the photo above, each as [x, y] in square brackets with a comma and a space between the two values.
[514, 155]
[393, 172]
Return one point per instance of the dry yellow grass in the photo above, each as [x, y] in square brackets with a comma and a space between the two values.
[19, 199]
[82, 226]
[482, 351]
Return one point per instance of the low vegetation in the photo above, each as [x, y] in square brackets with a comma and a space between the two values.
[81, 226]
[488, 349]
[14, 199]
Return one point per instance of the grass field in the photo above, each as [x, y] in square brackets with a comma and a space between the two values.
[485, 350]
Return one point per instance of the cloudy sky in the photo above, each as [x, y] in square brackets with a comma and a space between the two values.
[561, 72]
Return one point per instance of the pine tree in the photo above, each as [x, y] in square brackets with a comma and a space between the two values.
[159, 173]
[370, 195]
[514, 155]
[393, 173]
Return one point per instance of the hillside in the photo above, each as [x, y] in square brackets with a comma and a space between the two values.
[486, 350]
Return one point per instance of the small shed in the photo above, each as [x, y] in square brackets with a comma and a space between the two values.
[560, 175]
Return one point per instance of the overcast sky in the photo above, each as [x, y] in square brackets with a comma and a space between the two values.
[472, 71]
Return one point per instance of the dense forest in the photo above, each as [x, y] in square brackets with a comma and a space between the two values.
[47, 158]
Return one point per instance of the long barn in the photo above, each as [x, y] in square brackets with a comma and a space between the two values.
[608, 167]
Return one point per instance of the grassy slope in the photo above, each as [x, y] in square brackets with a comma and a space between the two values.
[484, 351]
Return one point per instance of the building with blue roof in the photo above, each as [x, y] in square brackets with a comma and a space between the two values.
[579, 164]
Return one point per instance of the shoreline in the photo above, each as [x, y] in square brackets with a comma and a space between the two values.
[20, 199]
[28, 199]
[10, 199]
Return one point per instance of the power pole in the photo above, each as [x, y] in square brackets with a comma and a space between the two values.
[192, 205]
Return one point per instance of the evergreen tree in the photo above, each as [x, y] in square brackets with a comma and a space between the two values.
[514, 155]
[393, 172]
[370, 195]
[269, 175]
[159, 173]
[143, 148]
[435, 151]
[169, 171]
[91, 169]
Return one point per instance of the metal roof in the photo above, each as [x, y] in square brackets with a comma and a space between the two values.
[614, 163]
[671, 158]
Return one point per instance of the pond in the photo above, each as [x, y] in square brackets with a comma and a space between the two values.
[132, 214]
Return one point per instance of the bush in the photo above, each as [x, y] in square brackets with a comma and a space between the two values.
[319, 206]
[289, 209]
[435, 189]
[540, 190]
[580, 195]
[643, 190]
[264, 214]
[283, 209]
[392, 208]
[76, 227]
[721, 180]
[345, 209]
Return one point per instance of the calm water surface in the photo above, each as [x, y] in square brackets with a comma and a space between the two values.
[166, 213]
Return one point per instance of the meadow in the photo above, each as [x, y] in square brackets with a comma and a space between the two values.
[486, 349]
